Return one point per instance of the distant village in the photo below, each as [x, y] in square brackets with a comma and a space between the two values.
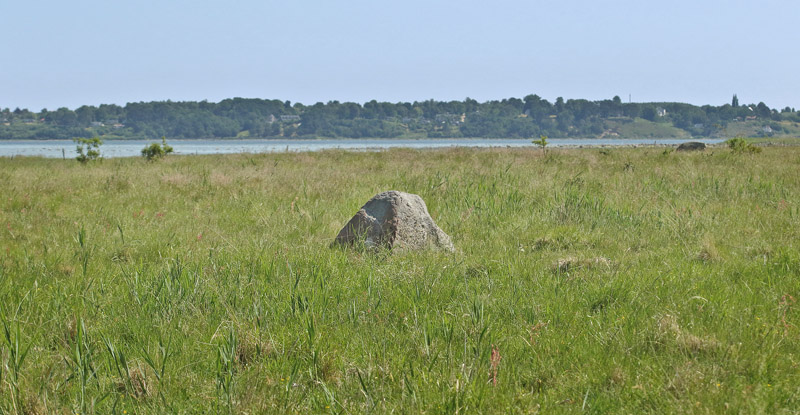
[530, 116]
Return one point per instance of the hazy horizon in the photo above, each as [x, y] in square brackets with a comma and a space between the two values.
[92, 53]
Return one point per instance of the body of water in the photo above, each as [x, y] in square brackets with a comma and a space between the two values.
[131, 148]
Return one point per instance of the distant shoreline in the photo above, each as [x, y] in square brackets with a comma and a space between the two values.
[133, 148]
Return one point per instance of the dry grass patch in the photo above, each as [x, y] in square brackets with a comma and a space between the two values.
[32, 405]
[670, 331]
[687, 377]
[250, 348]
[176, 179]
[571, 263]
[708, 251]
[139, 384]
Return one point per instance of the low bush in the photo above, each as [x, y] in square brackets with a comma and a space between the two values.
[156, 151]
[739, 145]
[88, 149]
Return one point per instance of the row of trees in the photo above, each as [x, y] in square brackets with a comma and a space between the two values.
[530, 116]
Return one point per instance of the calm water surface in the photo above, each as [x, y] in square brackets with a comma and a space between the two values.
[129, 148]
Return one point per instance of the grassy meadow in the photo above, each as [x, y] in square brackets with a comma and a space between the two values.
[584, 280]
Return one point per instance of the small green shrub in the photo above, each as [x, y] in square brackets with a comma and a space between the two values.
[88, 149]
[739, 145]
[541, 142]
[156, 151]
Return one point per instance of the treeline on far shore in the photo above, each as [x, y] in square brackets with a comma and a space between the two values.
[528, 117]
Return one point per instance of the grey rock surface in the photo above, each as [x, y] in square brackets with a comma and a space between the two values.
[394, 220]
[692, 146]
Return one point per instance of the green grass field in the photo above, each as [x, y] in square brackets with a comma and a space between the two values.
[586, 280]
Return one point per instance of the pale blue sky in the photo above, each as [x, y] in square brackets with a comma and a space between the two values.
[70, 53]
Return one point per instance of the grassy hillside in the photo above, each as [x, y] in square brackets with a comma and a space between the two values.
[640, 128]
[757, 129]
[623, 281]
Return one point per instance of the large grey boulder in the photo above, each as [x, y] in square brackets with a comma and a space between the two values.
[395, 220]
[692, 146]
